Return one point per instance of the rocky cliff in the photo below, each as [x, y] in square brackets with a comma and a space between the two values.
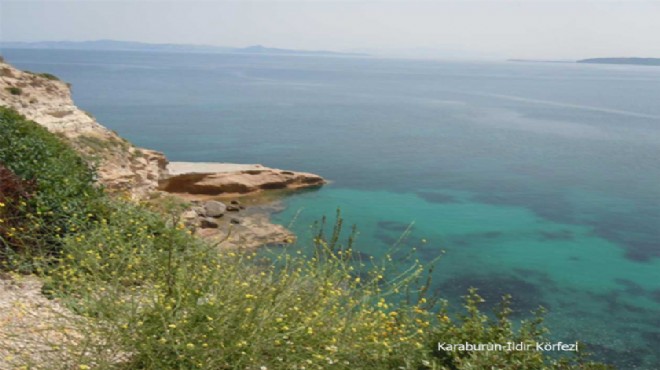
[121, 166]
[45, 99]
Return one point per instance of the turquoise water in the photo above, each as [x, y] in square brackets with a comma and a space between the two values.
[539, 180]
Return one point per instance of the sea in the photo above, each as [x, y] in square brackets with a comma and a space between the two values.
[539, 180]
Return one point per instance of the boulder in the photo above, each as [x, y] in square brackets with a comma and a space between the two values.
[213, 208]
[209, 223]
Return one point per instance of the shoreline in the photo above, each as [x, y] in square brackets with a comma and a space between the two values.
[243, 198]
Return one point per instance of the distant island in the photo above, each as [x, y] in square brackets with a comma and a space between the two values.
[636, 61]
[115, 45]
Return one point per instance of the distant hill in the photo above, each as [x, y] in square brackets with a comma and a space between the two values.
[180, 48]
[112, 45]
[636, 61]
[259, 49]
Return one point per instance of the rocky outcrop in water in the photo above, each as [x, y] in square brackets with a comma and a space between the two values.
[227, 179]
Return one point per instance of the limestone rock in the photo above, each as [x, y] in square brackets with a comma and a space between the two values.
[209, 223]
[213, 208]
[250, 233]
[199, 211]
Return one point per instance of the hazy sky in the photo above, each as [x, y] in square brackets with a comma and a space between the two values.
[490, 28]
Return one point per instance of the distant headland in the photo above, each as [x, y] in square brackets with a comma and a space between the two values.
[636, 61]
[115, 45]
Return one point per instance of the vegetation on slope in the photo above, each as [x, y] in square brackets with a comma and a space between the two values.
[53, 193]
[151, 296]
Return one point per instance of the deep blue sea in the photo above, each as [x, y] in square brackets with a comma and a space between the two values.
[536, 179]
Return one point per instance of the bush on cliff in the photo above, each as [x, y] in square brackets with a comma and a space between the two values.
[152, 296]
[58, 195]
[14, 90]
[47, 76]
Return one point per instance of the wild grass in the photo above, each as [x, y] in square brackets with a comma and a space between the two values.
[97, 144]
[167, 300]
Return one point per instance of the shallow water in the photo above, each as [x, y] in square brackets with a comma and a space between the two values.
[539, 180]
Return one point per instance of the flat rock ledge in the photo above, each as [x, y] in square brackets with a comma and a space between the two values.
[233, 226]
[230, 179]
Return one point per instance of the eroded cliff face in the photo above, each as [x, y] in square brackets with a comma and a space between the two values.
[121, 166]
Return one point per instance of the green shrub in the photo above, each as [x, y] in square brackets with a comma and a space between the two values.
[14, 90]
[64, 196]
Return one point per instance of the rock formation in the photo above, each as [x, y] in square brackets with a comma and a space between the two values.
[246, 229]
[121, 166]
[226, 179]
